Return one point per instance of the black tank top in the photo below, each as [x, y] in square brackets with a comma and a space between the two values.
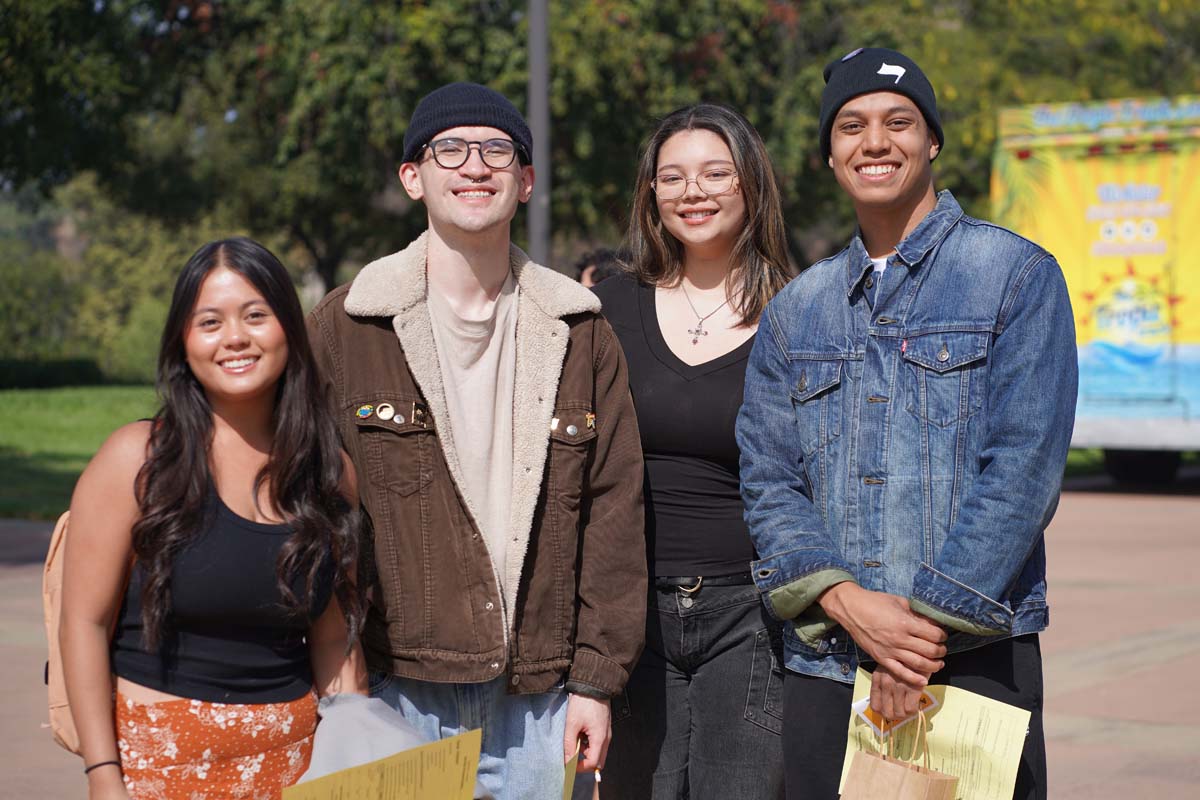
[232, 638]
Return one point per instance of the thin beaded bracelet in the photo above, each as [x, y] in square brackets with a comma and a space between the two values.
[86, 770]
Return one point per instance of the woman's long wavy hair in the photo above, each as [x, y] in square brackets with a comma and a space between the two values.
[759, 265]
[303, 473]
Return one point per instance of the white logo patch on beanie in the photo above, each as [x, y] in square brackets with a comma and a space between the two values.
[890, 69]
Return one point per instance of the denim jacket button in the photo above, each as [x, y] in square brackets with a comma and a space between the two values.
[943, 354]
[845, 669]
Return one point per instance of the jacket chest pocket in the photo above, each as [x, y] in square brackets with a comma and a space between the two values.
[945, 375]
[816, 398]
[572, 431]
[397, 440]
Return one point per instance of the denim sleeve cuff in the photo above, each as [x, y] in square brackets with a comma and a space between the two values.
[792, 599]
[958, 606]
[812, 626]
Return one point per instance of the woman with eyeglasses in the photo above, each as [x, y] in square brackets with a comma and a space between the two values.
[207, 583]
[700, 717]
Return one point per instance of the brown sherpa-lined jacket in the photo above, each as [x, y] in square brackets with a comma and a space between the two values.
[573, 603]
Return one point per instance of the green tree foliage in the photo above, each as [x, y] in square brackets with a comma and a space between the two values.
[76, 73]
[128, 268]
[284, 118]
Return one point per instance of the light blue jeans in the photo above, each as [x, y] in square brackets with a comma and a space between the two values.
[521, 755]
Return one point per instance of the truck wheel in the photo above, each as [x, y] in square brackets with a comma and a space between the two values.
[1142, 467]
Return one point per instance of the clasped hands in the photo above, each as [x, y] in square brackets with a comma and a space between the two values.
[907, 646]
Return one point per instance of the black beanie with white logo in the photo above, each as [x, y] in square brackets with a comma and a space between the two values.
[875, 69]
[465, 104]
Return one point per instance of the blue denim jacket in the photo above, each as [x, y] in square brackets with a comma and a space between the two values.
[908, 431]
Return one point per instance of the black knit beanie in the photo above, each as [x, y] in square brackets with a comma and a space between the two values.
[458, 104]
[875, 69]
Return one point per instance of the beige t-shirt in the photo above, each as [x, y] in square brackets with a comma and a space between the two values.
[478, 360]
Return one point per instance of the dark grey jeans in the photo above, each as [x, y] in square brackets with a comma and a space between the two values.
[702, 713]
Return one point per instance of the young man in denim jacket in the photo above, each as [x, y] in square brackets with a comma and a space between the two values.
[908, 409]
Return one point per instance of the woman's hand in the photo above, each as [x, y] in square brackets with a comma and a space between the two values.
[105, 783]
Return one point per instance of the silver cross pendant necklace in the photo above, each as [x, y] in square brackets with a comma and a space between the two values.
[699, 331]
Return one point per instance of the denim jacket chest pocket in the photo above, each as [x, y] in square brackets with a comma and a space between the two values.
[397, 440]
[945, 375]
[815, 385]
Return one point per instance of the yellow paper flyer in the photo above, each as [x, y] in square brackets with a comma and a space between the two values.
[569, 774]
[974, 738]
[442, 770]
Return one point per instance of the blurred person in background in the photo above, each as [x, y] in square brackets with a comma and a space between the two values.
[238, 510]
[597, 265]
[909, 405]
[700, 717]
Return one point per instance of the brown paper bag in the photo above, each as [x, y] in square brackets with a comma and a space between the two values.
[883, 777]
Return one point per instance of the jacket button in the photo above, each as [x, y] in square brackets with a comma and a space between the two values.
[943, 354]
[869, 282]
[489, 605]
[516, 679]
[845, 669]
[572, 430]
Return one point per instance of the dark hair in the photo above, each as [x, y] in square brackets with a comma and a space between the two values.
[608, 262]
[304, 470]
[759, 259]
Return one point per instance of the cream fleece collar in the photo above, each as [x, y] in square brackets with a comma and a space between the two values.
[392, 284]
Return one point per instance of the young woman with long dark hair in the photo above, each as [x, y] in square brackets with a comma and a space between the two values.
[236, 508]
[700, 715]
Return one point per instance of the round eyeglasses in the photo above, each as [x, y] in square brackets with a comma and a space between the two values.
[453, 153]
[672, 185]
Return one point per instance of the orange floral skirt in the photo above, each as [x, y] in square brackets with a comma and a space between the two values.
[191, 749]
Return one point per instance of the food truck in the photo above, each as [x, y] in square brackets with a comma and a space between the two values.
[1112, 189]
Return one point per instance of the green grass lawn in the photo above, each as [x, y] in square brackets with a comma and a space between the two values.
[1084, 462]
[47, 437]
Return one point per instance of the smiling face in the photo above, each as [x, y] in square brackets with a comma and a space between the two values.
[706, 225]
[474, 197]
[881, 150]
[235, 345]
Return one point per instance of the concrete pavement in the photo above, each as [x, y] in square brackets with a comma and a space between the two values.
[1122, 715]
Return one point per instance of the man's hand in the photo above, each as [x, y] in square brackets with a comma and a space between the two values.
[591, 718]
[891, 698]
[906, 644]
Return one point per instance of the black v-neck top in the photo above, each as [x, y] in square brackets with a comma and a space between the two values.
[686, 414]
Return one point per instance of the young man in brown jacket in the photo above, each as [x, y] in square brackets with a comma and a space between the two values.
[484, 402]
